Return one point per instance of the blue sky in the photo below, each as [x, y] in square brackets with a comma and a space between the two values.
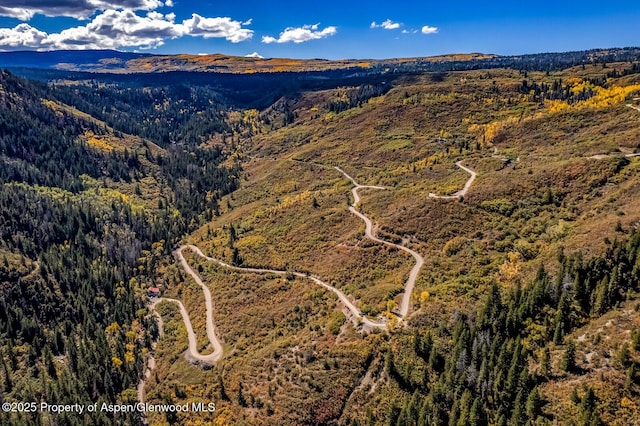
[337, 29]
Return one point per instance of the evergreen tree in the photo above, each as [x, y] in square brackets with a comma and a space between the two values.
[519, 415]
[533, 404]
[568, 362]
[545, 362]
[222, 390]
[476, 415]
[241, 400]
[588, 408]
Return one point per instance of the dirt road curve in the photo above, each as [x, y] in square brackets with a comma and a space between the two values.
[357, 315]
[413, 275]
[464, 190]
[192, 353]
[634, 107]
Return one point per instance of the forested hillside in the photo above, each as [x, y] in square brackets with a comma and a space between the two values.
[88, 216]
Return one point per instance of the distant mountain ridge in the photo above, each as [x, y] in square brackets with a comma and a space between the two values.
[128, 62]
[77, 60]
[112, 61]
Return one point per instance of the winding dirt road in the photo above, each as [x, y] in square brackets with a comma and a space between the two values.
[357, 315]
[413, 275]
[151, 360]
[464, 190]
[603, 156]
[192, 353]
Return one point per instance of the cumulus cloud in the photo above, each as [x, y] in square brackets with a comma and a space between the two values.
[21, 37]
[114, 29]
[301, 34]
[79, 9]
[387, 25]
[429, 30]
[254, 55]
[217, 27]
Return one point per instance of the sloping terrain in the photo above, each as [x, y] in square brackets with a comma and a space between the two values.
[539, 215]
[88, 218]
[525, 255]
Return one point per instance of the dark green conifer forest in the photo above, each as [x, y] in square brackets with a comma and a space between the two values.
[75, 263]
[479, 373]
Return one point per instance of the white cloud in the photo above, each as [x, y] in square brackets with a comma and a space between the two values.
[21, 37]
[124, 4]
[301, 34]
[155, 15]
[79, 9]
[387, 25]
[217, 28]
[168, 3]
[16, 12]
[429, 30]
[254, 55]
[114, 29]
